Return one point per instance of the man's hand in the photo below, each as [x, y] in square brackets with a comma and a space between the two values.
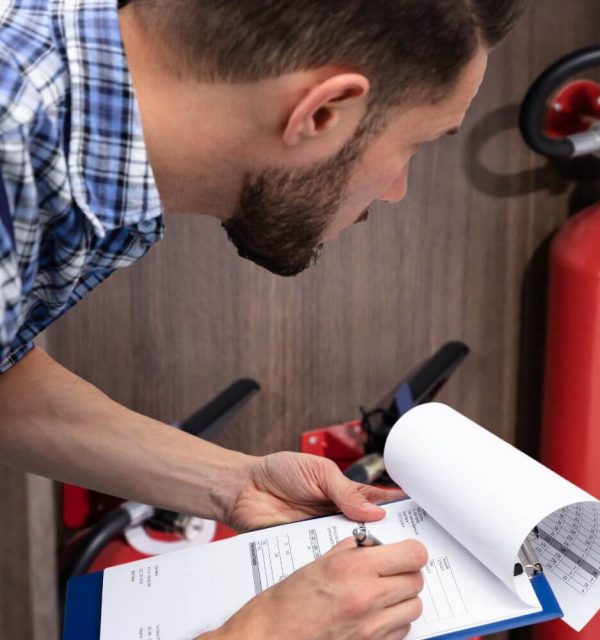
[284, 487]
[350, 593]
[54, 424]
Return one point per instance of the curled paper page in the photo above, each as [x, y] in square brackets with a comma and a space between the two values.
[490, 496]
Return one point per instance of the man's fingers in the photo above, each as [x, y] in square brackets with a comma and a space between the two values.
[387, 560]
[352, 498]
[395, 621]
[400, 557]
[398, 618]
[378, 495]
[399, 634]
[403, 614]
[393, 590]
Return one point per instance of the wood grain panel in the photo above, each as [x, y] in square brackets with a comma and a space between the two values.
[14, 553]
[28, 607]
[28, 596]
[447, 263]
[461, 258]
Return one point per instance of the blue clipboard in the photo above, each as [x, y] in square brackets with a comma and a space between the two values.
[84, 610]
[550, 611]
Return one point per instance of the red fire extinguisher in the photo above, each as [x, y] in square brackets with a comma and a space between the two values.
[559, 120]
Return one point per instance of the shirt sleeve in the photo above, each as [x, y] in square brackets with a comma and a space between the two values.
[19, 100]
[10, 286]
[15, 356]
[11, 312]
[18, 104]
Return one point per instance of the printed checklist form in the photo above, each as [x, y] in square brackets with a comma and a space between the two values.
[180, 595]
[473, 502]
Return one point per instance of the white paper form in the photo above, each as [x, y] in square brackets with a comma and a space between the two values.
[568, 547]
[183, 594]
[180, 595]
[490, 496]
[459, 593]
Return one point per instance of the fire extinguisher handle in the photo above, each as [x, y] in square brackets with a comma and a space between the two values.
[534, 106]
[208, 420]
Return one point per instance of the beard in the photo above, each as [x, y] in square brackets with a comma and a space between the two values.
[282, 215]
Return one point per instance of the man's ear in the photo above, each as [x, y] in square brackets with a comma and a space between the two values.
[338, 101]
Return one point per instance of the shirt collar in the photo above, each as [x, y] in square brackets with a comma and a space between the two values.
[106, 138]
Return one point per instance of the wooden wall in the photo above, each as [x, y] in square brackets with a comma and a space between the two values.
[28, 602]
[455, 260]
[461, 258]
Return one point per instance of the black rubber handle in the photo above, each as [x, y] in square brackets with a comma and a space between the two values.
[534, 106]
[207, 421]
[433, 374]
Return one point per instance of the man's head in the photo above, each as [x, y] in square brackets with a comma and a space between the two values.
[318, 106]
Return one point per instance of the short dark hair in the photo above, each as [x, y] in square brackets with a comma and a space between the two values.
[407, 48]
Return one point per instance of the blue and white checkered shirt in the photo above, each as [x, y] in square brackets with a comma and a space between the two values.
[81, 196]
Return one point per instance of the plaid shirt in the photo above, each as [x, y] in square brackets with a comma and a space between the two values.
[80, 192]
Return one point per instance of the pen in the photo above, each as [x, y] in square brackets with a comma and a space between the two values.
[363, 538]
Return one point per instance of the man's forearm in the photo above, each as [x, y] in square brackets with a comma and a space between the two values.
[55, 424]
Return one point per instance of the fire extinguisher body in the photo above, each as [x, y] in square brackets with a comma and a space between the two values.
[571, 412]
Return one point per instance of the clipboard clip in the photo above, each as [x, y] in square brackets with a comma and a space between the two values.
[529, 562]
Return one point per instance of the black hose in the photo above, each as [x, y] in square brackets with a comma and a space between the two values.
[534, 106]
[109, 527]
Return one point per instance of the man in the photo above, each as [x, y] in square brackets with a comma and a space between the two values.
[284, 119]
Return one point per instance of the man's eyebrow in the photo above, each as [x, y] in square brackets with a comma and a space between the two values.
[452, 132]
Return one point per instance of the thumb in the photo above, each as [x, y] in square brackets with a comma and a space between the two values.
[349, 499]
